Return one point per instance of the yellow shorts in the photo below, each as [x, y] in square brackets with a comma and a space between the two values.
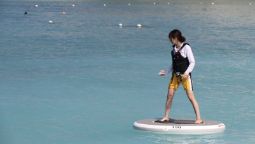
[175, 82]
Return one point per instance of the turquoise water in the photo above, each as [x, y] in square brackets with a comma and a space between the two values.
[83, 79]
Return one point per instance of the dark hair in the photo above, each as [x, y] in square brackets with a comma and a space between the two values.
[177, 34]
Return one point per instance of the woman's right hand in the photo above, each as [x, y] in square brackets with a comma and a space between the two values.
[162, 72]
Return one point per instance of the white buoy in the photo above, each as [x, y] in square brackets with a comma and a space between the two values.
[168, 3]
[63, 13]
[129, 4]
[213, 3]
[36, 5]
[73, 5]
[104, 5]
[120, 25]
[154, 3]
[250, 3]
[50, 22]
[139, 25]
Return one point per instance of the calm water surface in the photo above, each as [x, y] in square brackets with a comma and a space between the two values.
[83, 79]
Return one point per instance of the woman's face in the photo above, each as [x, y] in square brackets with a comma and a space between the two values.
[174, 41]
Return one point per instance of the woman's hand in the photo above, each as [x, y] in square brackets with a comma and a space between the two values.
[162, 73]
[185, 76]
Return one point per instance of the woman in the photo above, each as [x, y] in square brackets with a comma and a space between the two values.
[183, 63]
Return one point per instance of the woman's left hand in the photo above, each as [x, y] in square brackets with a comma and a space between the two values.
[184, 76]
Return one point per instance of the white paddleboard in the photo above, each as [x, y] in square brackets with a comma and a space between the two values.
[180, 126]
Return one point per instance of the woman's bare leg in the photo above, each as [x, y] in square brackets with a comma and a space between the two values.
[168, 105]
[195, 105]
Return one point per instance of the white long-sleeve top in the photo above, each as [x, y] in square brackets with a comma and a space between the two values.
[186, 51]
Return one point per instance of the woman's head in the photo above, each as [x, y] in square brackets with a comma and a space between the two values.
[175, 36]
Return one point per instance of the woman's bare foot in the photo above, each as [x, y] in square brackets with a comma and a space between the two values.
[163, 120]
[199, 121]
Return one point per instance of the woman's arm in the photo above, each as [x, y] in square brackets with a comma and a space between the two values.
[191, 59]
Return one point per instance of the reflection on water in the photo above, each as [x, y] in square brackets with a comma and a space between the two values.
[184, 139]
